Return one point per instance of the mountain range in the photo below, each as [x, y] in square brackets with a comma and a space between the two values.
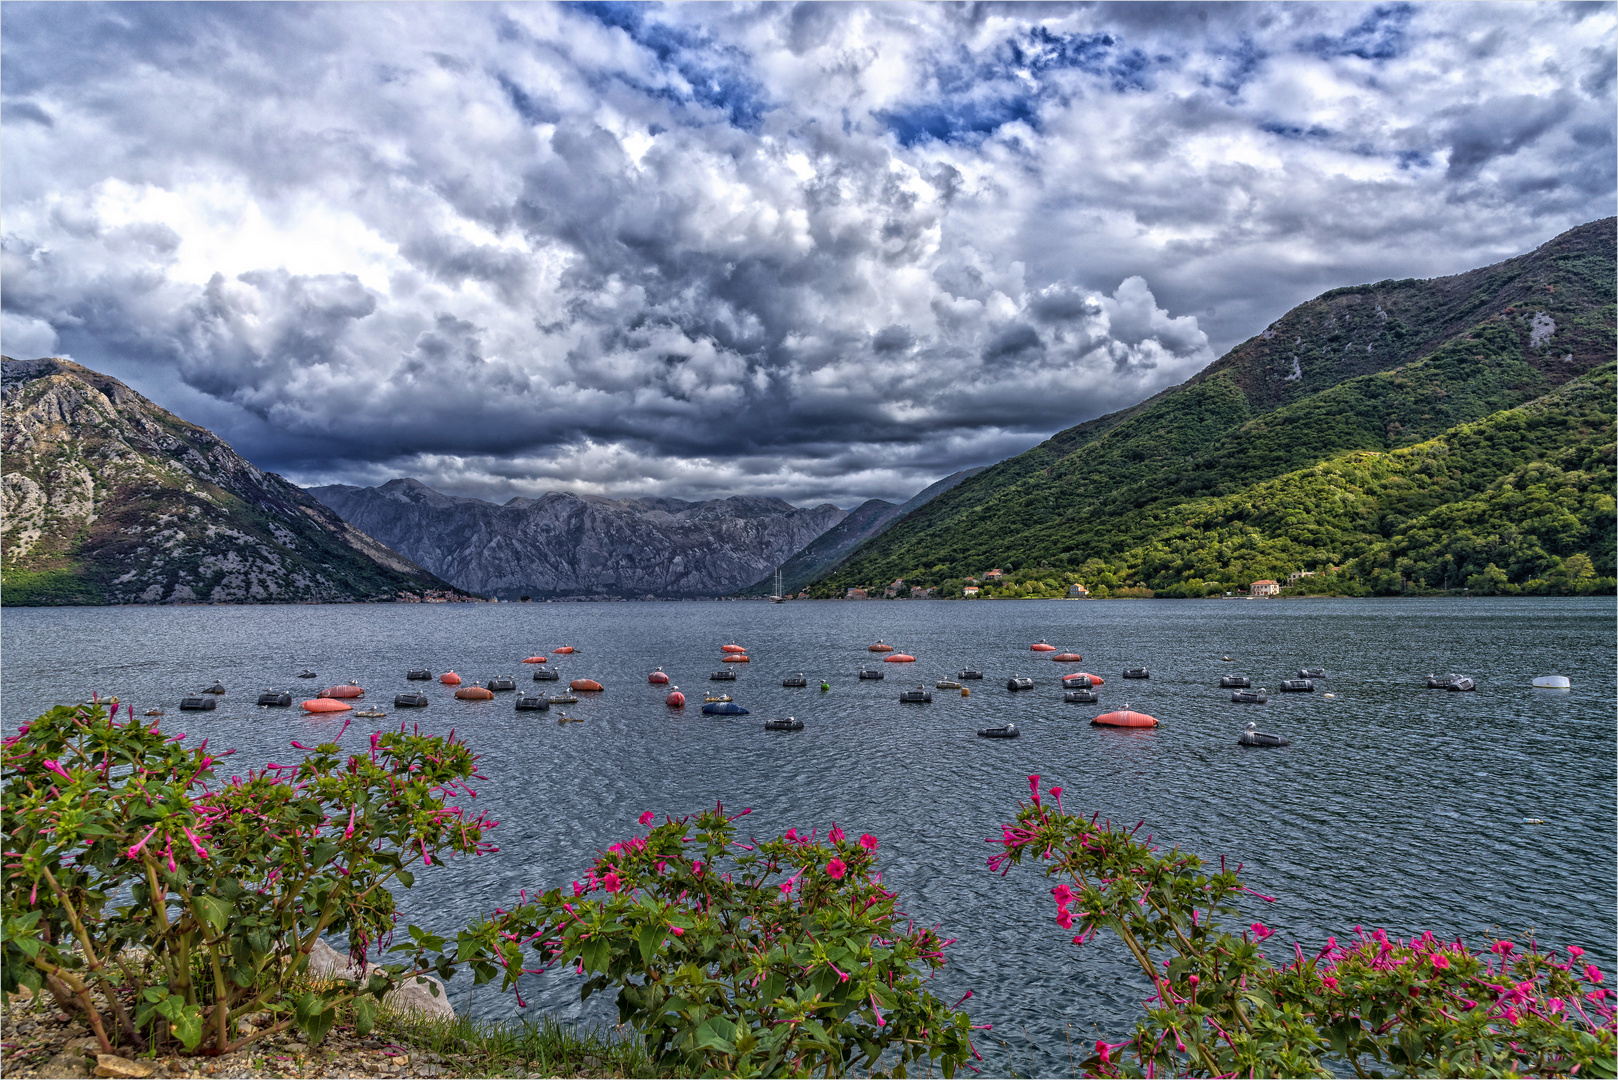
[110, 499]
[1414, 434]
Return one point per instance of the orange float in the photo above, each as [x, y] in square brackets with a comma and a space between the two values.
[565, 649]
[880, 646]
[899, 658]
[325, 704]
[1095, 680]
[657, 678]
[449, 678]
[534, 660]
[736, 658]
[1124, 718]
[586, 684]
[1040, 646]
[1067, 658]
[733, 647]
[347, 690]
[675, 700]
[474, 693]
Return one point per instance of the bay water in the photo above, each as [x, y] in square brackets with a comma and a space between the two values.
[1395, 806]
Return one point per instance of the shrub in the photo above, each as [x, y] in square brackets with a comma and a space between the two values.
[130, 869]
[1222, 1007]
[776, 957]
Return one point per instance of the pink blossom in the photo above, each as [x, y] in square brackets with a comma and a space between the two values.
[1261, 931]
[1331, 983]
[836, 834]
[868, 842]
[1193, 980]
[612, 881]
[1501, 947]
[1063, 895]
[791, 834]
[134, 849]
[836, 868]
[647, 817]
[1440, 961]
[1592, 973]
[58, 770]
[1033, 786]
[1574, 951]
[1555, 1005]
[1064, 918]
[676, 930]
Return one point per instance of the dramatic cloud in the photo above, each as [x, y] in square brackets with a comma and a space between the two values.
[818, 251]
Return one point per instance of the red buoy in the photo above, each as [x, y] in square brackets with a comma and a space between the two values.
[348, 690]
[736, 658]
[657, 677]
[733, 647]
[586, 684]
[880, 646]
[534, 660]
[1095, 680]
[675, 700]
[325, 704]
[1125, 718]
[1040, 646]
[449, 678]
[899, 658]
[1067, 658]
[565, 649]
[474, 693]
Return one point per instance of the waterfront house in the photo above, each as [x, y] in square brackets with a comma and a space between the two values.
[855, 594]
[970, 590]
[1077, 592]
[1266, 587]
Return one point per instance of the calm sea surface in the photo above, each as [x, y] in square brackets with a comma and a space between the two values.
[1395, 806]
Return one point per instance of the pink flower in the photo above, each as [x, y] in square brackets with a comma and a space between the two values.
[1063, 895]
[676, 930]
[1501, 947]
[1592, 973]
[1064, 918]
[1261, 931]
[1056, 793]
[836, 834]
[1440, 961]
[836, 868]
[1555, 1005]
[646, 818]
[791, 834]
[1193, 980]
[611, 881]
[868, 842]
[58, 770]
[1033, 786]
[1331, 983]
[1574, 951]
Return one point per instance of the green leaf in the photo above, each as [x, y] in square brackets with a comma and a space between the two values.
[322, 853]
[188, 1027]
[406, 878]
[212, 911]
[649, 938]
[364, 1015]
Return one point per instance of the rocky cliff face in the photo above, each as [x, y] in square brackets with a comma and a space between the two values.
[108, 498]
[570, 545]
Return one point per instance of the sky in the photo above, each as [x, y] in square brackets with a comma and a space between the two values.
[826, 252]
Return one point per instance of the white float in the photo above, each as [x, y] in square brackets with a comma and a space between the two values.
[1553, 682]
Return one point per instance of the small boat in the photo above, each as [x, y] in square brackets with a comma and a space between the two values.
[1296, 686]
[566, 719]
[733, 648]
[1008, 732]
[326, 705]
[370, 714]
[343, 692]
[899, 658]
[588, 686]
[410, 701]
[474, 693]
[1461, 683]
[1553, 682]
[946, 684]
[564, 699]
[216, 688]
[1227, 659]
[722, 676]
[723, 708]
[1124, 718]
[736, 658]
[872, 673]
[1080, 681]
[675, 700]
[969, 673]
[1234, 682]
[275, 697]
[795, 680]
[1249, 697]
[306, 674]
[198, 703]
[1081, 697]
[419, 674]
[1067, 658]
[532, 703]
[1041, 646]
[1312, 673]
[154, 712]
[790, 723]
[449, 678]
[880, 646]
[1450, 682]
[657, 678]
[918, 696]
[1137, 673]
[503, 682]
[547, 675]
[1253, 737]
[565, 650]
[718, 697]
[1019, 682]
[533, 660]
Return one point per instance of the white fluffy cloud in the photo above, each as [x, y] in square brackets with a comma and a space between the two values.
[820, 251]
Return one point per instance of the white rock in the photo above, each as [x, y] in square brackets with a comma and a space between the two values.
[416, 995]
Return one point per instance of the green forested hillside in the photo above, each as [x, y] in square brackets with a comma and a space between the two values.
[1136, 497]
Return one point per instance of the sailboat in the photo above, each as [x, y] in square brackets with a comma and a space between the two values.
[778, 596]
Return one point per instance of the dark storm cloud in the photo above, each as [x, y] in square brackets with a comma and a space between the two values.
[814, 250]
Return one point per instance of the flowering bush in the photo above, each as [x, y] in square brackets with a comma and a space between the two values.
[1223, 1008]
[764, 958]
[129, 870]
